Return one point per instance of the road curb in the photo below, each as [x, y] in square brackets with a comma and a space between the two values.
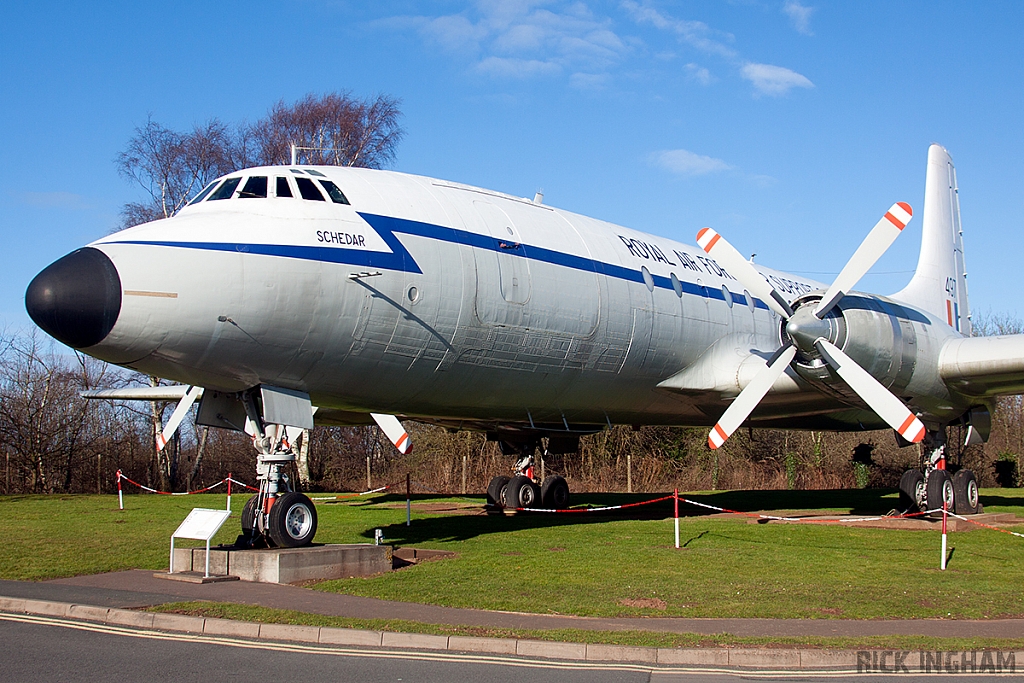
[739, 658]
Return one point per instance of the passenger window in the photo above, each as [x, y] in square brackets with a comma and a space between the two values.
[751, 304]
[255, 187]
[206, 191]
[727, 295]
[226, 190]
[337, 196]
[308, 190]
[677, 285]
[283, 188]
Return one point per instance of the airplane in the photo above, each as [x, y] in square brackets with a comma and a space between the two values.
[283, 296]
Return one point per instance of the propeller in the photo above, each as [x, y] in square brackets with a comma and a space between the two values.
[394, 430]
[808, 330]
[177, 416]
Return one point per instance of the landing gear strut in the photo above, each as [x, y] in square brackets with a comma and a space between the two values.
[276, 515]
[521, 490]
[934, 487]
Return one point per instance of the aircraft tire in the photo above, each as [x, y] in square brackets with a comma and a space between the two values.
[522, 493]
[940, 485]
[965, 493]
[292, 521]
[910, 483]
[554, 493]
[249, 516]
[496, 491]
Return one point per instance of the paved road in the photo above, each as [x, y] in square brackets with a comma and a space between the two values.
[49, 649]
[137, 588]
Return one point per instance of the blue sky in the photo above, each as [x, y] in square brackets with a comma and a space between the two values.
[790, 126]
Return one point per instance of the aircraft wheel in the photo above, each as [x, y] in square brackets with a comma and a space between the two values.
[940, 488]
[496, 491]
[522, 493]
[965, 493]
[249, 516]
[554, 493]
[292, 521]
[912, 491]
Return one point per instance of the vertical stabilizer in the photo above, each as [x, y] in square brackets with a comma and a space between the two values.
[939, 285]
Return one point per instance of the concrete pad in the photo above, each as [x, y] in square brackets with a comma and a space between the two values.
[693, 656]
[88, 612]
[828, 659]
[597, 652]
[762, 658]
[12, 604]
[127, 617]
[51, 609]
[178, 622]
[230, 627]
[287, 565]
[349, 636]
[421, 641]
[194, 577]
[504, 646]
[304, 634]
[543, 648]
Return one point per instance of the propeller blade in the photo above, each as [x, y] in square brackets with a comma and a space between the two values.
[394, 430]
[880, 399]
[751, 395]
[177, 416]
[870, 250]
[743, 270]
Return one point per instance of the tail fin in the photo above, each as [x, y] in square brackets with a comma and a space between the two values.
[939, 285]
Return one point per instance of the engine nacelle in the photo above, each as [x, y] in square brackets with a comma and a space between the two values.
[898, 345]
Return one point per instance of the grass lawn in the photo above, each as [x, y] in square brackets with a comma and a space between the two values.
[599, 565]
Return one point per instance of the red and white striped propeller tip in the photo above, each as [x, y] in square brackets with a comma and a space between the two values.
[707, 238]
[899, 214]
[716, 437]
[912, 429]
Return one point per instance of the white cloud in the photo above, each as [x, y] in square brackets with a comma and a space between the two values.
[700, 74]
[773, 80]
[508, 67]
[800, 16]
[523, 38]
[694, 33]
[687, 163]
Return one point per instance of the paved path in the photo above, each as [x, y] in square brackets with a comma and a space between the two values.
[136, 588]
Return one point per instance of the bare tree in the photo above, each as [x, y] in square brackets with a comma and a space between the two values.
[334, 129]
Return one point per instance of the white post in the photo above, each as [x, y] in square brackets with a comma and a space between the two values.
[171, 565]
[942, 563]
[120, 496]
[294, 155]
[229, 492]
[675, 498]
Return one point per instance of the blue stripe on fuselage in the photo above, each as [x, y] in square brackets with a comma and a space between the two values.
[401, 260]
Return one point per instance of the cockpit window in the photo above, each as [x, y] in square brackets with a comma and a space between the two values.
[316, 173]
[295, 171]
[202, 195]
[283, 189]
[337, 196]
[226, 190]
[255, 187]
[308, 190]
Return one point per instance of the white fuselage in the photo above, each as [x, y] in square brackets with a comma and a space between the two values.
[437, 300]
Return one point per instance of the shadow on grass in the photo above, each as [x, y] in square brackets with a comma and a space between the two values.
[461, 527]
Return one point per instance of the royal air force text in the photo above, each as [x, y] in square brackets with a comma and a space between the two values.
[652, 252]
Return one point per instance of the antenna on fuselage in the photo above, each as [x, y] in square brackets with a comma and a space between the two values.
[538, 197]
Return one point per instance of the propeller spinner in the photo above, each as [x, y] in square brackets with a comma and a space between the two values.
[808, 330]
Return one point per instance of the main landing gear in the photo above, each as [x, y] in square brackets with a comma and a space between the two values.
[521, 489]
[931, 487]
[276, 515]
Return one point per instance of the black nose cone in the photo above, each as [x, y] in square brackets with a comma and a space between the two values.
[76, 299]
